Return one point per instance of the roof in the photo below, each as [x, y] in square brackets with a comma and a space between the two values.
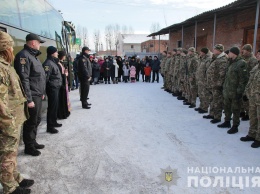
[234, 7]
[135, 38]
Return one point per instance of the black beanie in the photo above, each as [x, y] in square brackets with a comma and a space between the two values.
[51, 50]
[235, 50]
[205, 50]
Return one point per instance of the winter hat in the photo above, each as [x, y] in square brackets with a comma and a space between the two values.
[247, 47]
[6, 41]
[179, 49]
[51, 50]
[85, 48]
[91, 56]
[219, 47]
[235, 50]
[205, 50]
[192, 49]
[227, 51]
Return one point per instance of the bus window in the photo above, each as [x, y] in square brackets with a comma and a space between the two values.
[9, 13]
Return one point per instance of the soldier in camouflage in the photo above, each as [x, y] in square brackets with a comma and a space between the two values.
[166, 71]
[205, 60]
[12, 116]
[171, 70]
[233, 89]
[252, 91]
[162, 70]
[192, 63]
[176, 80]
[183, 75]
[251, 61]
[215, 79]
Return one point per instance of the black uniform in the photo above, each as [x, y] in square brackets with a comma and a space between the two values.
[84, 73]
[32, 76]
[53, 84]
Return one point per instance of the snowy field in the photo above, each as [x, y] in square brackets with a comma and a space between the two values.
[131, 133]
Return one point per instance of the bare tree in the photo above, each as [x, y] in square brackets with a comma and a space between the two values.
[155, 27]
[131, 30]
[85, 36]
[109, 36]
[96, 37]
[124, 29]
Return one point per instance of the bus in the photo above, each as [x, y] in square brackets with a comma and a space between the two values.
[20, 17]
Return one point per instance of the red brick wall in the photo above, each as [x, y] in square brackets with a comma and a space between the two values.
[230, 31]
[155, 43]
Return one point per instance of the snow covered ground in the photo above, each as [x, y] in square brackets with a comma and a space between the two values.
[122, 144]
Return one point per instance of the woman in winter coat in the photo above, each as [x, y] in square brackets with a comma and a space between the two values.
[107, 70]
[120, 69]
[126, 72]
[115, 72]
[143, 62]
[132, 73]
[100, 62]
[96, 71]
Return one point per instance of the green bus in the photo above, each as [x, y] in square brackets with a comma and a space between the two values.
[20, 17]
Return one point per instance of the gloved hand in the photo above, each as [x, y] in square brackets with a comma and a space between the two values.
[239, 96]
[245, 99]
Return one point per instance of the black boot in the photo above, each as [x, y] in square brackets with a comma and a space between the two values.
[192, 106]
[25, 183]
[32, 151]
[247, 138]
[180, 98]
[20, 190]
[38, 146]
[208, 117]
[245, 118]
[175, 94]
[202, 111]
[242, 114]
[226, 124]
[186, 103]
[57, 125]
[185, 100]
[197, 109]
[213, 121]
[233, 130]
[256, 144]
[52, 130]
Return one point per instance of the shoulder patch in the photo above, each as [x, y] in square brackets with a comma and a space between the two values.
[23, 61]
[84, 60]
[46, 68]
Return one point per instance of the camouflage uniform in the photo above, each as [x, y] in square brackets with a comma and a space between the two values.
[252, 91]
[233, 89]
[162, 70]
[183, 75]
[192, 62]
[215, 78]
[202, 80]
[176, 76]
[167, 72]
[171, 73]
[251, 63]
[12, 115]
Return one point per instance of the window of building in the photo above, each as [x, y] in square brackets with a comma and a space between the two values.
[132, 46]
[179, 43]
[151, 45]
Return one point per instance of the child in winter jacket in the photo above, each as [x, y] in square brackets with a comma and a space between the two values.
[132, 73]
[125, 72]
[147, 73]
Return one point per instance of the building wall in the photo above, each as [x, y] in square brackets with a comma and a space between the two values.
[230, 31]
[127, 47]
[146, 46]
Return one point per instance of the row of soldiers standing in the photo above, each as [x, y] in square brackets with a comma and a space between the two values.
[220, 79]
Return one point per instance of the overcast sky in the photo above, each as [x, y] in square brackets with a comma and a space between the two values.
[140, 14]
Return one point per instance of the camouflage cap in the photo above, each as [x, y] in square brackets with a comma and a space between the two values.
[179, 49]
[192, 49]
[247, 47]
[219, 47]
[6, 41]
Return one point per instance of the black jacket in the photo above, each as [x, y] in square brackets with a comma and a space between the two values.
[107, 73]
[96, 69]
[84, 68]
[53, 74]
[156, 65]
[30, 70]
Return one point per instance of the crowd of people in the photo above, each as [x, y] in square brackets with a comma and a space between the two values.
[226, 81]
[223, 80]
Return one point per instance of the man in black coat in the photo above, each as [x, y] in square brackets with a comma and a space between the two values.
[29, 68]
[84, 74]
[53, 84]
[107, 66]
[156, 67]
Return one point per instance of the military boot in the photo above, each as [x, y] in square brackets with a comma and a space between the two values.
[20, 190]
[242, 114]
[197, 109]
[181, 98]
[52, 130]
[192, 106]
[202, 111]
[25, 183]
[233, 130]
[226, 124]
[256, 144]
[214, 121]
[245, 118]
[247, 138]
[31, 151]
[208, 117]
[186, 103]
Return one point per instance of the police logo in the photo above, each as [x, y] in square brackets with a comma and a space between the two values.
[46, 68]
[168, 176]
[23, 61]
[84, 60]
